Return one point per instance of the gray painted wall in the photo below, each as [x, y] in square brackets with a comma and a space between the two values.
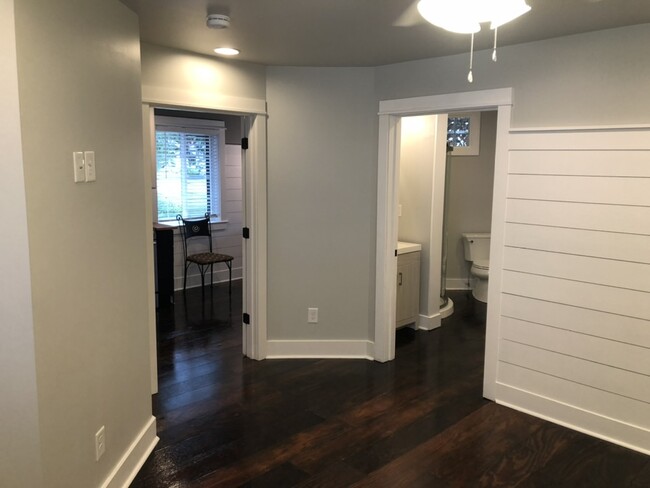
[321, 202]
[470, 199]
[79, 83]
[20, 458]
[196, 79]
[588, 79]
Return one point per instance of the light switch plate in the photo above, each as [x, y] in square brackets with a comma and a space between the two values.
[100, 443]
[312, 315]
[89, 157]
[79, 167]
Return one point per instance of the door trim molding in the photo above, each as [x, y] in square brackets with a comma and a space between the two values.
[390, 114]
[254, 178]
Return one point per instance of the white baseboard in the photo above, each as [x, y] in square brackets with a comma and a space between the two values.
[605, 428]
[456, 284]
[429, 322]
[278, 349]
[134, 457]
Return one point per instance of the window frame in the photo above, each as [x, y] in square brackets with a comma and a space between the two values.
[474, 134]
[194, 126]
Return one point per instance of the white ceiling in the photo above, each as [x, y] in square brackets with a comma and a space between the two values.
[357, 32]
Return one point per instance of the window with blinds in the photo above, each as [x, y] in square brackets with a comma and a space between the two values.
[188, 157]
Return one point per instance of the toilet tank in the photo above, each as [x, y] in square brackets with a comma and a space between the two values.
[477, 246]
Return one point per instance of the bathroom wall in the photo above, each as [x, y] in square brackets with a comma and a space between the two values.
[421, 184]
[470, 200]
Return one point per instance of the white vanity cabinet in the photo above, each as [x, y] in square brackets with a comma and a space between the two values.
[408, 283]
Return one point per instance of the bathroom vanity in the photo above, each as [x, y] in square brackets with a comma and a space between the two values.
[408, 283]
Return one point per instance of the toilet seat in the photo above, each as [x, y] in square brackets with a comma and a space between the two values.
[480, 268]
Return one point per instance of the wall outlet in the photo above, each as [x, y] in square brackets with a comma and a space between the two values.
[312, 315]
[100, 443]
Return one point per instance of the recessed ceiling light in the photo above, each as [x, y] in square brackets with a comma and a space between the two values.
[227, 51]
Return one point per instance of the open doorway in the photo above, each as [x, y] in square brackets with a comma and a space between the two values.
[251, 215]
[391, 114]
[445, 202]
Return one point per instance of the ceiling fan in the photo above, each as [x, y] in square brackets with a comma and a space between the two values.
[464, 17]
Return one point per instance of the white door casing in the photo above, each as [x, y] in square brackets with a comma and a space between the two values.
[390, 113]
[253, 113]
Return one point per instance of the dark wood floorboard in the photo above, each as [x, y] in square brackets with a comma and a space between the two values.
[227, 421]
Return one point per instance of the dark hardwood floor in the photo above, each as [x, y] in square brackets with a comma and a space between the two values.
[418, 421]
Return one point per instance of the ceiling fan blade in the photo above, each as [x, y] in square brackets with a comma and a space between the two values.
[409, 17]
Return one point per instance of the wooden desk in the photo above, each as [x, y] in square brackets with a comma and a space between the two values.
[163, 238]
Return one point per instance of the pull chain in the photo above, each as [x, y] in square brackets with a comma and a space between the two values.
[494, 51]
[470, 77]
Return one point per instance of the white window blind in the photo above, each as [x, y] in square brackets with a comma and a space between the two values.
[188, 159]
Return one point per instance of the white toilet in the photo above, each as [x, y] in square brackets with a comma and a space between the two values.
[477, 250]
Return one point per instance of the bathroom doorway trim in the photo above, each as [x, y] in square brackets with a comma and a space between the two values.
[390, 115]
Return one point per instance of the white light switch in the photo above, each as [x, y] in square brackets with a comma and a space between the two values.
[89, 157]
[79, 167]
[312, 315]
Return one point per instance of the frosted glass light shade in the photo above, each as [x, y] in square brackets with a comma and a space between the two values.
[465, 16]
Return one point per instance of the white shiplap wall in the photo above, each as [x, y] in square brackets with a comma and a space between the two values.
[574, 341]
[226, 237]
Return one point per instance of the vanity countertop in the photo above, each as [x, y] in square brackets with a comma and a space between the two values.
[406, 247]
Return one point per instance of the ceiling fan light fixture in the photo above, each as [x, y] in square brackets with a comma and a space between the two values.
[227, 51]
[444, 15]
[508, 11]
[466, 16]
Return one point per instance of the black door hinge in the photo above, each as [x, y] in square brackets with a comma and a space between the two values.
[244, 142]
[246, 233]
[246, 319]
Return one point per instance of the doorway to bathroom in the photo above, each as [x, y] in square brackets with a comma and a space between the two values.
[444, 213]
[392, 115]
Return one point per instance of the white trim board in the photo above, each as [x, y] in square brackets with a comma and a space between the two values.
[426, 322]
[128, 466]
[599, 426]
[175, 98]
[285, 349]
[457, 284]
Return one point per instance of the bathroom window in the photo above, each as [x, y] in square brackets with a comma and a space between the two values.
[464, 133]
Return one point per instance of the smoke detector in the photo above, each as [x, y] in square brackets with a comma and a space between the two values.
[218, 21]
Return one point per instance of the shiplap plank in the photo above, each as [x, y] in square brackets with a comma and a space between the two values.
[587, 140]
[622, 274]
[586, 163]
[584, 189]
[624, 247]
[231, 195]
[229, 206]
[595, 297]
[232, 184]
[621, 382]
[600, 324]
[601, 402]
[603, 351]
[232, 171]
[633, 220]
